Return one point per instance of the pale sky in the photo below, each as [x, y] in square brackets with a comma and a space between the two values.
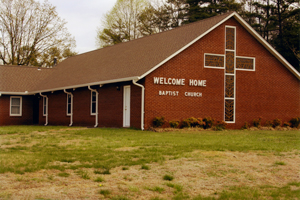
[83, 17]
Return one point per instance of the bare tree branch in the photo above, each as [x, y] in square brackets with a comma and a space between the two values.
[29, 30]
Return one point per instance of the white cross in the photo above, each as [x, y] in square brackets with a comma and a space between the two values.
[230, 62]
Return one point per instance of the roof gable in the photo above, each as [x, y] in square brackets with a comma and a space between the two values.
[249, 29]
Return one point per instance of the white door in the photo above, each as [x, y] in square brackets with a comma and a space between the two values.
[126, 106]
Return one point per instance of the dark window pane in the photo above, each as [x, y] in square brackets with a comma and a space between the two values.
[69, 108]
[93, 108]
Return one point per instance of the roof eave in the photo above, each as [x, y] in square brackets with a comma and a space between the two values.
[89, 84]
[71, 87]
[15, 93]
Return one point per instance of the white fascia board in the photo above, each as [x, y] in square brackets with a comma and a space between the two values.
[16, 93]
[267, 45]
[186, 46]
[72, 87]
[90, 84]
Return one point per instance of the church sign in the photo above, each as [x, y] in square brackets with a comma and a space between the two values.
[178, 82]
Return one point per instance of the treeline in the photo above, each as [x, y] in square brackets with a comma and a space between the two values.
[277, 21]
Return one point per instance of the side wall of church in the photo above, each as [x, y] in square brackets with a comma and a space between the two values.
[110, 107]
[269, 92]
[27, 111]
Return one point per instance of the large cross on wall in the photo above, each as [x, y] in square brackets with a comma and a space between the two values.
[230, 63]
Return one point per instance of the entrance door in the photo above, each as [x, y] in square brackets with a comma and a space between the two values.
[126, 106]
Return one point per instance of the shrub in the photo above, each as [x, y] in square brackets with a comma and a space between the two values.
[245, 126]
[196, 122]
[268, 123]
[286, 124]
[185, 123]
[208, 122]
[200, 122]
[295, 122]
[257, 122]
[158, 121]
[276, 122]
[174, 124]
[193, 121]
[220, 125]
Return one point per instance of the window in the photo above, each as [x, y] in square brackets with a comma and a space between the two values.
[15, 106]
[69, 104]
[45, 104]
[93, 103]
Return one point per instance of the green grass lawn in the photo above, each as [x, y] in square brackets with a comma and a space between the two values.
[33, 148]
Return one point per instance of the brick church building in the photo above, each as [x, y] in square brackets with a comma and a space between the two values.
[218, 67]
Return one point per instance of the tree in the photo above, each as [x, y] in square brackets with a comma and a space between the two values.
[121, 24]
[164, 16]
[29, 31]
[278, 22]
[149, 21]
[176, 10]
[286, 41]
[202, 9]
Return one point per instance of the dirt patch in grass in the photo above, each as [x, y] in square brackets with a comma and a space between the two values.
[127, 148]
[7, 142]
[200, 172]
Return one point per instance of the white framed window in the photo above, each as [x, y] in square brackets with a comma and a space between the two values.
[15, 106]
[69, 104]
[45, 105]
[93, 102]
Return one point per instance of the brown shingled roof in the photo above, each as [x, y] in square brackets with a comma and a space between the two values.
[126, 60]
[122, 62]
[14, 79]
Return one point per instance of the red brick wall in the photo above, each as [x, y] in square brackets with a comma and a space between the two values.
[27, 111]
[110, 108]
[111, 105]
[270, 92]
[57, 109]
[135, 104]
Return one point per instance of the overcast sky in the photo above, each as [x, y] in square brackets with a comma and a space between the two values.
[83, 17]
